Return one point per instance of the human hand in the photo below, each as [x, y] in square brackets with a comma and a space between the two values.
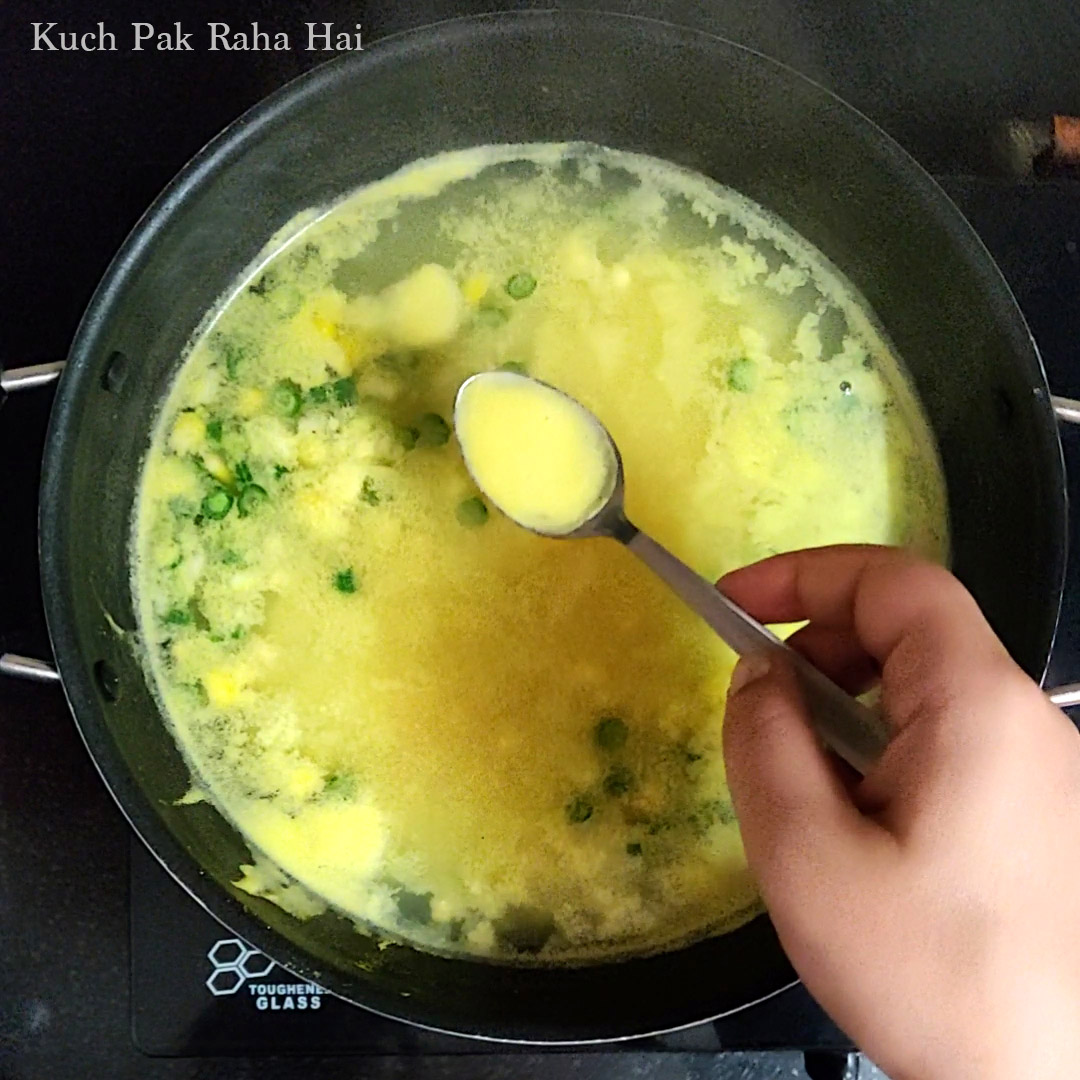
[933, 908]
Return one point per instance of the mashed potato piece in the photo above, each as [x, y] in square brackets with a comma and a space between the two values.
[457, 733]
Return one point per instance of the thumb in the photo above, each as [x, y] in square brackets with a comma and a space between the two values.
[797, 819]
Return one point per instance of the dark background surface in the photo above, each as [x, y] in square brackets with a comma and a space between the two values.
[87, 141]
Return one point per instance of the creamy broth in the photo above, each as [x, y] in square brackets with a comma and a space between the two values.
[457, 733]
[536, 454]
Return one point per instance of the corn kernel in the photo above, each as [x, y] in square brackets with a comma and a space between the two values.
[222, 687]
[187, 434]
[216, 467]
[474, 288]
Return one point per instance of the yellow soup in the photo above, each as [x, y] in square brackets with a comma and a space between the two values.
[535, 453]
[456, 732]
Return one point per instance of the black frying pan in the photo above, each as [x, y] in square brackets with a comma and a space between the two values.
[628, 83]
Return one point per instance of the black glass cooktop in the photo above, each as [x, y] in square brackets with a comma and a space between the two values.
[197, 990]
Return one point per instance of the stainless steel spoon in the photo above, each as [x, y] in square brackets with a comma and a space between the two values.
[856, 733]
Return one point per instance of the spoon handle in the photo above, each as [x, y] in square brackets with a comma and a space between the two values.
[854, 732]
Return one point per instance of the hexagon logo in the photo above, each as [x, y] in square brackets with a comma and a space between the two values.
[256, 964]
[227, 953]
[224, 981]
[234, 962]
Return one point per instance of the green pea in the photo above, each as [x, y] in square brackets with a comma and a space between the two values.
[177, 617]
[611, 733]
[521, 285]
[472, 512]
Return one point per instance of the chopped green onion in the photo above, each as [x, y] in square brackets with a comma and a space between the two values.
[216, 505]
[519, 286]
[578, 810]
[514, 366]
[230, 557]
[287, 397]
[472, 512]
[213, 430]
[344, 581]
[242, 473]
[177, 617]
[742, 375]
[432, 430]
[234, 355]
[344, 391]
[238, 633]
[250, 498]
[342, 785]
[611, 733]
[368, 492]
[618, 781]
[320, 395]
